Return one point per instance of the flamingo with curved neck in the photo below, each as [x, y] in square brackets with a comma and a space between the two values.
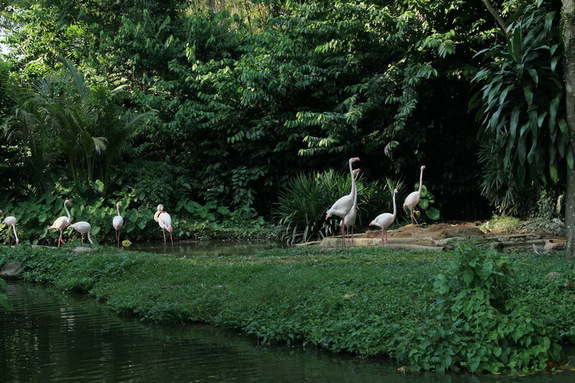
[412, 199]
[11, 221]
[62, 222]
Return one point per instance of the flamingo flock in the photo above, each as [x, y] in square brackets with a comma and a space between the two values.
[346, 207]
[64, 222]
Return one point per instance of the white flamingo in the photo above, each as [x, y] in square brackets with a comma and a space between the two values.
[342, 206]
[412, 199]
[63, 222]
[385, 220]
[11, 221]
[351, 217]
[118, 222]
[165, 222]
[82, 227]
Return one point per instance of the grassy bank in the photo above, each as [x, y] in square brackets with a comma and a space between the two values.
[365, 301]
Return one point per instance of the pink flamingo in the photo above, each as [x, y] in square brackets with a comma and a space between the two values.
[342, 206]
[11, 221]
[412, 199]
[384, 220]
[63, 222]
[351, 217]
[165, 221]
[118, 222]
[82, 227]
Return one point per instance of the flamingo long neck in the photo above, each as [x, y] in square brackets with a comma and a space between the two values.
[394, 207]
[353, 188]
[67, 211]
[118, 208]
[15, 235]
[420, 181]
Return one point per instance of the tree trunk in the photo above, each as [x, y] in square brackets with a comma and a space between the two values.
[568, 26]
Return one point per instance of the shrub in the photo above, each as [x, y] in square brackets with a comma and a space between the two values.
[475, 325]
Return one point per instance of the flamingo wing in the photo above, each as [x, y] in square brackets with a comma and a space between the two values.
[383, 220]
[60, 223]
[118, 222]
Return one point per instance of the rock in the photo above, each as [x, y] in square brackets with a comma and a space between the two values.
[555, 244]
[83, 249]
[11, 270]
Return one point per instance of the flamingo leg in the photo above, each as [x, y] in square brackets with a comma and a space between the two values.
[118, 237]
[171, 238]
[164, 232]
[343, 232]
[60, 240]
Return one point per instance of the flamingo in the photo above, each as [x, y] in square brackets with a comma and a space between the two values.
[342, 206]
[165, 221]
[11, 221]
[412, 199]
[63, 222]
[118, 222]
[384, 220]
[350, 218]
[82, 227]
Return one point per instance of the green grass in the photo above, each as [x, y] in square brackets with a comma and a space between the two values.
[355, 300]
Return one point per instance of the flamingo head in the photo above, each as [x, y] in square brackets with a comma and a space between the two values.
[422, 167]
[160, 207]
[68, 202]
[353, 159]
[395, 191]
[356, 171]
[118, 204]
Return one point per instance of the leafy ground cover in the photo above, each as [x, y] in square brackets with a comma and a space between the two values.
[369, 301]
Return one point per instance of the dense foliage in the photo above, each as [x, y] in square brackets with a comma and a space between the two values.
[473, 316]
[241, 103]
[476, 324]
[521, 108]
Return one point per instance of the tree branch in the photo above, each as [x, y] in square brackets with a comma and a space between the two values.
[494, 13]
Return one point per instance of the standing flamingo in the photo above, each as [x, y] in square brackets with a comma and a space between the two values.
[342, 206]
[350, 218]
[63, 222]
[385, 220]
[11, 221]
[82, 227]
[412, 199]
[165, 221]
[118, 222]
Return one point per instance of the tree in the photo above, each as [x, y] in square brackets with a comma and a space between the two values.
[568, 25]
[63, 117]
[525, 137]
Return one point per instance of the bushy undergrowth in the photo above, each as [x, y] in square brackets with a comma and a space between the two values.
[476, 324]
[475, 315]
